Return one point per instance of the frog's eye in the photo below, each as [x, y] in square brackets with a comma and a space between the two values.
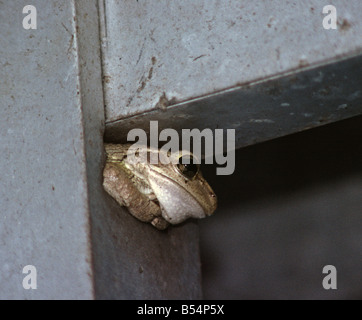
[187, 168]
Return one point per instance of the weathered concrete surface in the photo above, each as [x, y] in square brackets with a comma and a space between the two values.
[194, 55]
[266, 110]
[54, 213]
[44, 218]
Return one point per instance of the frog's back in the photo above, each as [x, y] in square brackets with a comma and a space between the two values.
[116, 152]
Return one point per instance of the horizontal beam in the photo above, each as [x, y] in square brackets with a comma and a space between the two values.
[266, 109]
[266, 69]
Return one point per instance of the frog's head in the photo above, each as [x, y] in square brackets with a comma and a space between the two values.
[180, 188]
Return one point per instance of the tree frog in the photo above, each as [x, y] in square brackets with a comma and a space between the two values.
[161, 194]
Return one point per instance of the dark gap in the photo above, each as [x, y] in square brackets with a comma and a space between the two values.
[285, 165]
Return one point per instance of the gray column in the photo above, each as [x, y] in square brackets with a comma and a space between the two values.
[54, 212]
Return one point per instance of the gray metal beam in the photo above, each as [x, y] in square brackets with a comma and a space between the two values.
[237, 60]
[267, 109]
[54, 213]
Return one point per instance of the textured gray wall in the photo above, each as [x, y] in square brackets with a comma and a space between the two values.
[209, 65]
[189, 49]
[54, 213]
[43, 186]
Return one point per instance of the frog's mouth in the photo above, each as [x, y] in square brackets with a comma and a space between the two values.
[176, 203]
[182, 214]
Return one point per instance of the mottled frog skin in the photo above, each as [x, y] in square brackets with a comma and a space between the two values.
[161, 194]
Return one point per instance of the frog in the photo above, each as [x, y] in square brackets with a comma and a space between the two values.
[158, 193]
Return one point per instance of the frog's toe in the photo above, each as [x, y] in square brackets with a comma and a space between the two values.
[160, 223]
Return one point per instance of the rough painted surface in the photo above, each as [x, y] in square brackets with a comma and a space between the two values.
[54, 213]
[136, 261]
[265, 110]
[43, 187]
[183, 50]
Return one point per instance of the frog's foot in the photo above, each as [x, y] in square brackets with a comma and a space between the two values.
[160, 223]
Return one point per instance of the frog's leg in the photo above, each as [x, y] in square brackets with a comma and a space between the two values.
[119, 185]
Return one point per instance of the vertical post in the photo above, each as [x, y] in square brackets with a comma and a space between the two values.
[55, 215]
